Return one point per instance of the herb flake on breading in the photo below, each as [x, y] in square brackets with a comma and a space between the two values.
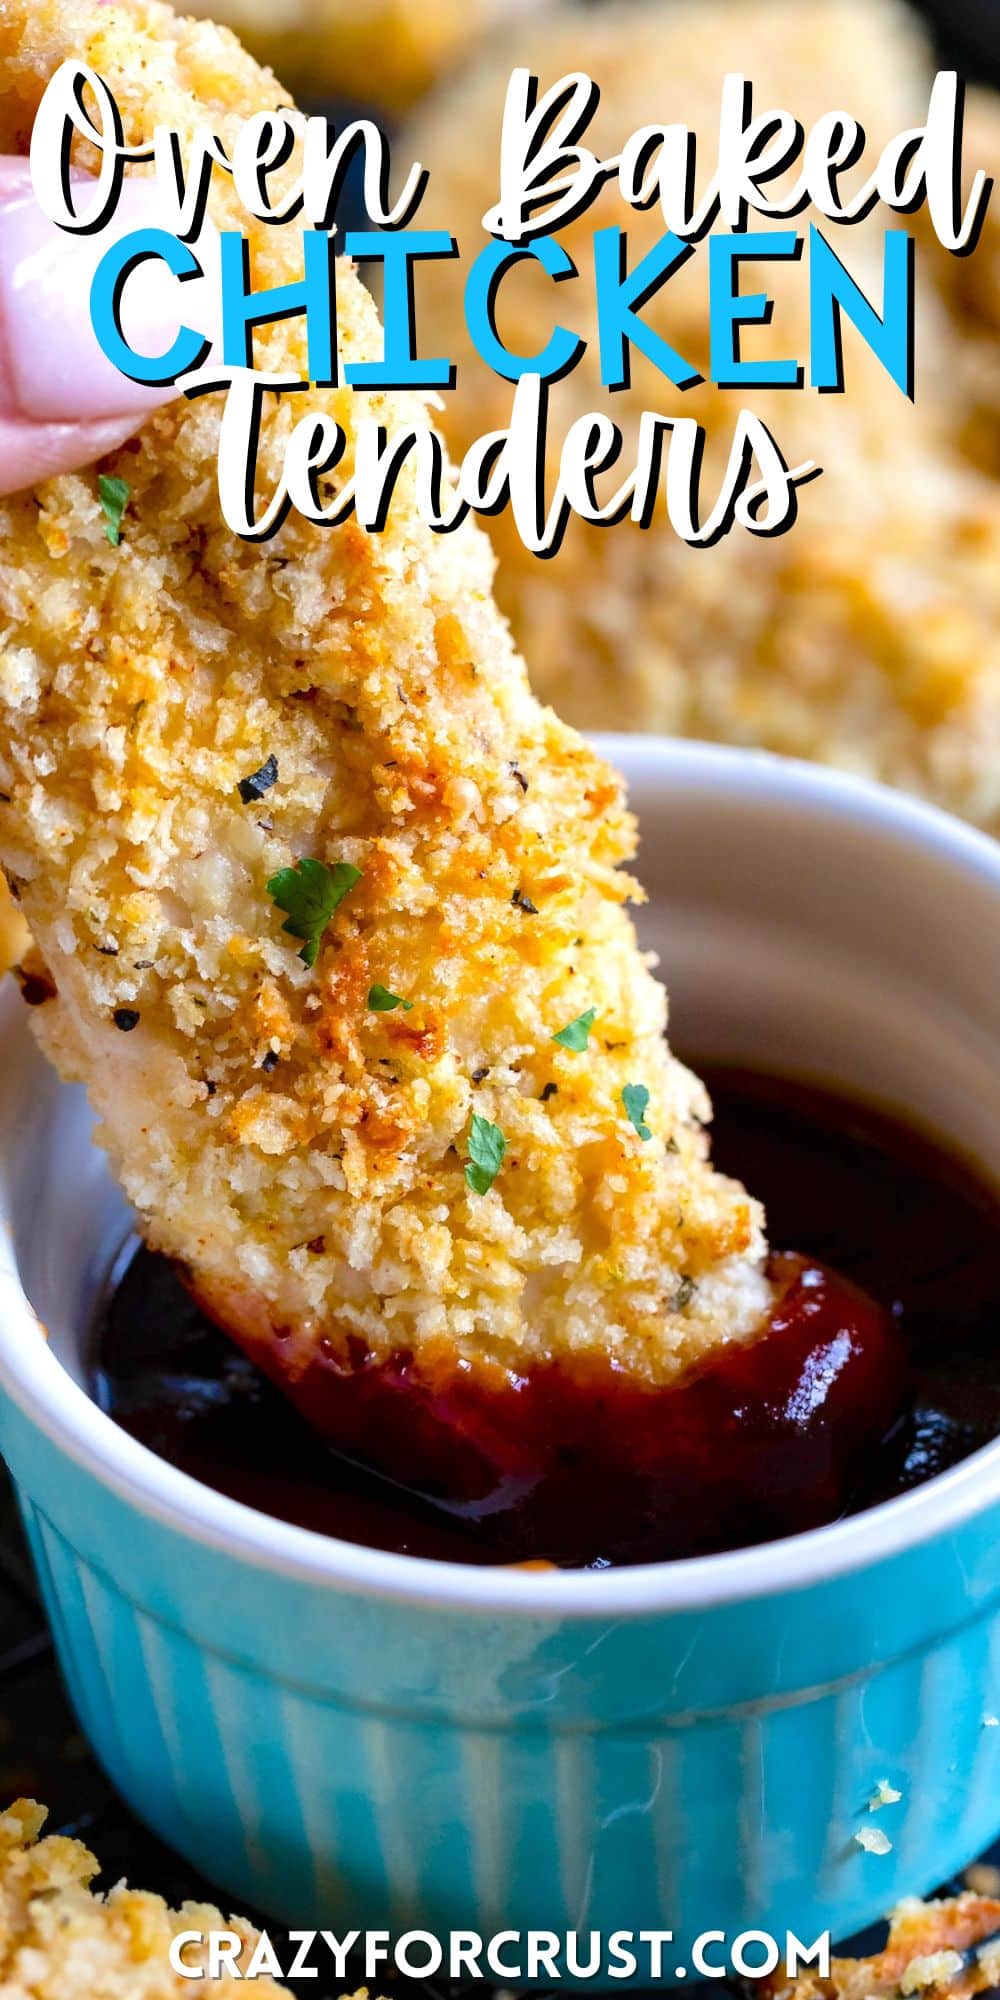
[310, 894]
[381, 1001]
[114, 496]
[685, 1293]
[487, 1147]
[126, 1018]
[524, 903]
[635, 1098]
[258, 782]
[576, 1034]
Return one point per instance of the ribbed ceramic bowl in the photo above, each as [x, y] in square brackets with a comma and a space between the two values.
[351, 1738]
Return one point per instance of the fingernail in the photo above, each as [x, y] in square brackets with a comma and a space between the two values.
[54, 370]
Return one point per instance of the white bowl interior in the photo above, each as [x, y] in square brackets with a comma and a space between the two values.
[801, 927]
[65, 1216]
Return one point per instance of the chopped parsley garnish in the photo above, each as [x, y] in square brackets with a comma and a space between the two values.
[381, 1001]
[310, 893]
[635, 1098]
[259, 782]
[114, 496]
[487, 1147]
[576, 1034]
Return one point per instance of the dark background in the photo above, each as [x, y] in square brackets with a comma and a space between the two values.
[42, 1754]
[968, 35]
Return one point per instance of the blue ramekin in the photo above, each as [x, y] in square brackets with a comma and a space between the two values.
[346, 1738]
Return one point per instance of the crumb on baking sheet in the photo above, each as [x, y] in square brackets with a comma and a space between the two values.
[59, 1938]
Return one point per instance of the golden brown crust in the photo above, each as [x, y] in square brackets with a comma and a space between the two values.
[138, 685]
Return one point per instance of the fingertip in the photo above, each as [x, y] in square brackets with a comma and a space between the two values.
[53, 371]
[31, 453]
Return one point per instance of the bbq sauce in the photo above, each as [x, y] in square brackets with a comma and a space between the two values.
[855, 1191]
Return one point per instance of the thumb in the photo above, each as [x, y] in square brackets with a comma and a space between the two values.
[62, 402]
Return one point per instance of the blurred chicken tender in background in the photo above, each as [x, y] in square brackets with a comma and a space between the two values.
[382, 52]
[866, 637]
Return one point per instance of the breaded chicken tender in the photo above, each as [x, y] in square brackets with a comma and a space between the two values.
[385, 52]
[951, 1947]
[866, 637]
[385, 1152]
[60, 1941]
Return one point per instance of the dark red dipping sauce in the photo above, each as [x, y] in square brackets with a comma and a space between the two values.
[840, 1406]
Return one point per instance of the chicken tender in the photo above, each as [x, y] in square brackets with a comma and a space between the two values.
[866, 637]
[948, 1948]
[60, 1941]
[320, 885]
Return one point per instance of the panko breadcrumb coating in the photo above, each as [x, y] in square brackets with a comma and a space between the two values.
[303, 1155]
[951, 1947]
[866, 636]
[383, 52]
[60, 1941]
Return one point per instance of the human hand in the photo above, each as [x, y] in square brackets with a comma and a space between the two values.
[62, 403]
